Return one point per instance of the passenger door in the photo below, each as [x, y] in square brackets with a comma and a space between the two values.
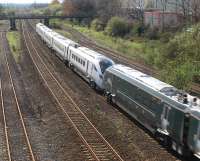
[95, 74]
[164, 117]
[89, 68]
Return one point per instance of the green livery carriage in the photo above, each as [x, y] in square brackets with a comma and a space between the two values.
[155, 104]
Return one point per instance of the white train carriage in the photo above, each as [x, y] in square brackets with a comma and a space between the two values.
[48, 37]
[61, 45]
[46, 33]
[89, 64]
[39, 29]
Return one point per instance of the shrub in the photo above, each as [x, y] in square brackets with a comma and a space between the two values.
[153, 34]
[137, 29]
[165, 37]
[97, 25]
[118, 27]
[180, 76]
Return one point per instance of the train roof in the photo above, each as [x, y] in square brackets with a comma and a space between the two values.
[148, 80]
[43, 27]
[91, 53]
[40, 24]
[164, 90]
[64, 40]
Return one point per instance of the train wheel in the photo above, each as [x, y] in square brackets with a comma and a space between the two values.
[109, 99]
[71, 66]
[92, 84]
[66, 63]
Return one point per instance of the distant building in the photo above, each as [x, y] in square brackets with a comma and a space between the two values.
[156, 19]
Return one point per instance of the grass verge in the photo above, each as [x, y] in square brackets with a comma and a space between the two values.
[14, 43]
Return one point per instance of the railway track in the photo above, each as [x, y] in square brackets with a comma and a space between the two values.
[18, 144]
[195, 88]
[94, 145]
[145, 149]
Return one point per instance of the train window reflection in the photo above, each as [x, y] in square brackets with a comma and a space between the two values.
[104, 64]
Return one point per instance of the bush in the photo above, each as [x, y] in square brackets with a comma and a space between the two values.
[180, 76]
[153, 34]
[118, 27]
[55, 25]
[97, 25]
[165, 37]
[137, 29]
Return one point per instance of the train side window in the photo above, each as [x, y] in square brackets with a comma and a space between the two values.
[83, 63]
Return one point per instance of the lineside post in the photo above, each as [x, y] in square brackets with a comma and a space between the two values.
[12, 24]
[46, 21]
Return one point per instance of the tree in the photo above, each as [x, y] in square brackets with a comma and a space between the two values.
[54, 7]
[54, 2]
[79, 7]
[68, 7]
[84, 7]
[195, 9]
[1, 9]
[107, 9]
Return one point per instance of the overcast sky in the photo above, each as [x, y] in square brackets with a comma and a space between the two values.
[25, 1]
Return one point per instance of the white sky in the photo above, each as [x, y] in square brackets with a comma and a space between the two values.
[25, 1]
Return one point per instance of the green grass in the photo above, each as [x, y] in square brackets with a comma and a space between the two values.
[14, 42]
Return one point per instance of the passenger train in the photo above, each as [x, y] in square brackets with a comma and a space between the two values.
[171, 115]
[87, 63]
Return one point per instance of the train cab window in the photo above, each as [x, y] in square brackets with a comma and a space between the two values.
[104, 64]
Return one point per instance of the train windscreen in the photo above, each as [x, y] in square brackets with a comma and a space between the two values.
[104, 64]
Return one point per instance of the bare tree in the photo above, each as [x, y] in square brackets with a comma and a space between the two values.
[53, 2]
[195, 9]
[107, 9]
[164, 8]
[68, 7]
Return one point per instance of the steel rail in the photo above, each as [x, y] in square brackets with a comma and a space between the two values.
[70, 98]
[18, 109]
[4, 120]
